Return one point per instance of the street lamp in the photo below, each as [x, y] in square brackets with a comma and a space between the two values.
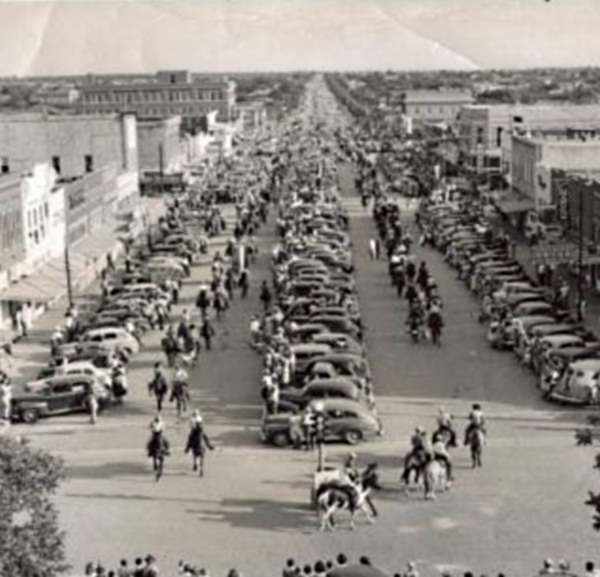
[320, 434]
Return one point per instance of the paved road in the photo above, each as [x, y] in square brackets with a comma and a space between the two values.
[251, 510]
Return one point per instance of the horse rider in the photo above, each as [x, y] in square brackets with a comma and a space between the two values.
[476, 421]
[440, 453]
[420, 449]
[351, 468]
[198, 442]
[370, 479]
[445, 424]
[157, 428]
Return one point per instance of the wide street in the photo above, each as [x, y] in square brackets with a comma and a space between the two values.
[251, 511]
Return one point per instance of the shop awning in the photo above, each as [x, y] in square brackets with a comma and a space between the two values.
[33, 289]
[46, 284]
[514, 204]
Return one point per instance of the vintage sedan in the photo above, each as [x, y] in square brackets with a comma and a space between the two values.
[345, 420]
[56, 396]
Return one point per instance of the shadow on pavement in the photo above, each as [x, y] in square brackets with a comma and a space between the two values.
[289, 516]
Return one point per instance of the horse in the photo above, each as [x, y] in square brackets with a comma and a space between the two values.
[445, 435]
[158, 449]
[413, 463]
[333, 496]
[435, 477]
[476, 440]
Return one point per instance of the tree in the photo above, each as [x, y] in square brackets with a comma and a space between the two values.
[31, 542]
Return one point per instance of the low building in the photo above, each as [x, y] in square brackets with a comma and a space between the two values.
[534, 157]
[251, 115]
[56, 95]
[164, 94]
[434, 105]
[485, 131]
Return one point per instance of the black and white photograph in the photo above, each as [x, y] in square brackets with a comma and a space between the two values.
[300, 288]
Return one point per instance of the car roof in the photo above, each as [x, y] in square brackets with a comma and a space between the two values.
[586, 365]
[562, 338]
[308, 347]
[341, 405]
[334, 383]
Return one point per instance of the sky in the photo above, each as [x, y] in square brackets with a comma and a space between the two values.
[249, 35]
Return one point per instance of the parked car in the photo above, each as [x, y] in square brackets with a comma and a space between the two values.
[113, 337]
[55, 396]
[345, 420]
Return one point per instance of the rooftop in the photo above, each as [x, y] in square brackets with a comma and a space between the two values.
[436, 96]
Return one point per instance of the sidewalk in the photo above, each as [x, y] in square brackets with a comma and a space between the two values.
[31, 353]
[522, 252]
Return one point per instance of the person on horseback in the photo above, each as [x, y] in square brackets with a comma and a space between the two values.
[198, 442]
[351, 468]
[476, 422]
[420, 452]
[157, 442]
[440, 453]
[445, 425]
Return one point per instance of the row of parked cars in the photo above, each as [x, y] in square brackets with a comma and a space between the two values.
[522, 317]
[91, 356]
[316, 292]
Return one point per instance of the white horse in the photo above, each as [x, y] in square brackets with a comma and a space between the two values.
[333, 497]
[435, 479]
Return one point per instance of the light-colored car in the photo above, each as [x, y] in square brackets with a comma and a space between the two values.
[113, 337]
[103, 376]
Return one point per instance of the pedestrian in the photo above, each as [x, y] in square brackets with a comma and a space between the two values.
[265, 296]
[5, 400]
[244, 282]
[92, 405]
[123, 570]
[158, 386]
[207, 332]
[198, 442]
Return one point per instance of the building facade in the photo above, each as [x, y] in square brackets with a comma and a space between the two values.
[534, 157]
[73, 144]
[165, 94]
[160, 144]
[485, 131]
[434, 105]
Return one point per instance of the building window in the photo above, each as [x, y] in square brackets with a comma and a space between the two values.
[173, 79]
[46, 210]
[89, 163]
[5, 166]
[479, 135]
[56, 164]
[499, 136]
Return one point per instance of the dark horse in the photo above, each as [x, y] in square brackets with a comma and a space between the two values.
[476, 440]
[158, 449]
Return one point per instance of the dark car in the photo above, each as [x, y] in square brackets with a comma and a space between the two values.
[339, 324]
[56, 396]
[345, 420]
[335, 388]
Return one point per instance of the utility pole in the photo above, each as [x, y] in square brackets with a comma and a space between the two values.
[580, 259]
[67, 259]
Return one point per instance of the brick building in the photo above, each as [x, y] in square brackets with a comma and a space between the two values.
[165, 94]
[72, 144]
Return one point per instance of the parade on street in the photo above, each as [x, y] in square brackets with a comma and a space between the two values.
[307, 340]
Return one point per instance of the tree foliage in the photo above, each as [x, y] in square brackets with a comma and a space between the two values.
[31, 542]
